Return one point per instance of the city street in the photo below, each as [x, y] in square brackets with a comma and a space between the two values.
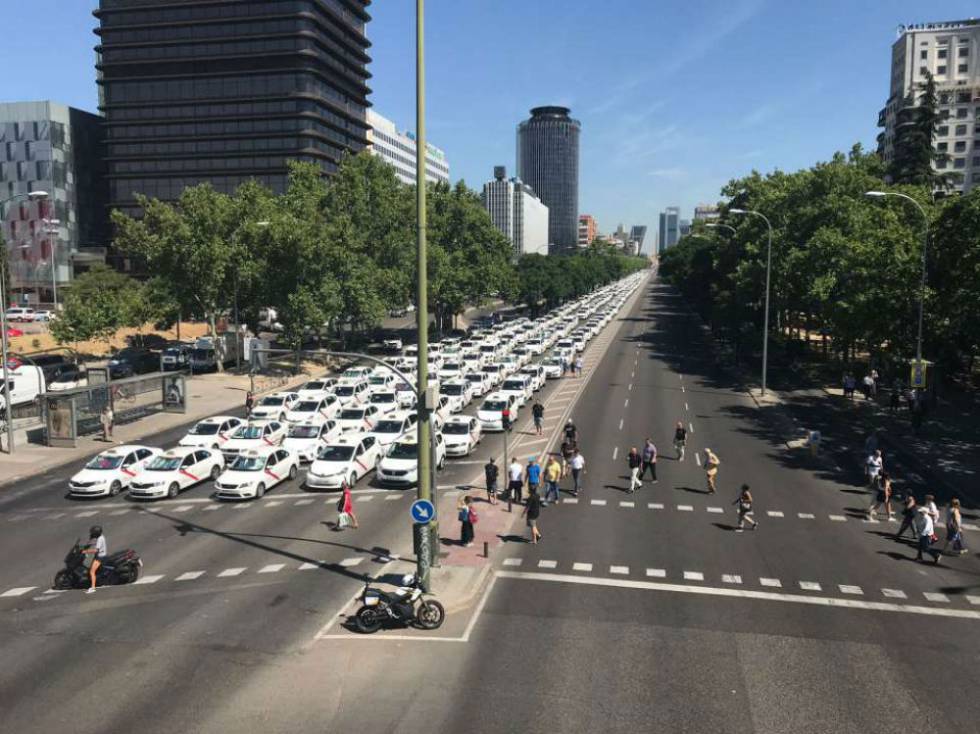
[635, 612]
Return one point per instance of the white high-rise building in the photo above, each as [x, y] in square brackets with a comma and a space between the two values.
[951, 53]
[399, 149]
[517, 212]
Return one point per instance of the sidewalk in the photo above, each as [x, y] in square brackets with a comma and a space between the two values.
[207, 395]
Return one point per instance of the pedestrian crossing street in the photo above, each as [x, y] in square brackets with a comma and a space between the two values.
[738, 580]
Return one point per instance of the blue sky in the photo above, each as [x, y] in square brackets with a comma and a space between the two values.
[675, 97]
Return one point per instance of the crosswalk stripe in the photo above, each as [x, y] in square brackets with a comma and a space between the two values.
[586, 567]
[693, 576]
[183, 508]
[600, 503]
[547, 564]
[975, 600]
[189, 576]
[117, 513]
[272, 568]
[685, 508]
[570, 501]
[622, 570]
[365, 499]
[655, 505]
[304, 502]
[348, 562]
[310, 566]
[775, 513]
[627, 504]
[231, 572]
[894, 593]
[56, 515]
[212, 508]
[393, 497]
[272, 503]
[89, 513]
[933, 596]
[775, 583]
[717, 510]
[513, 561]
[240, 506]
[149, 579]
[731, 578]
[837, 518]
[19, 591]
[848, 589]
[805, 515]
[810, 586]
[657, 573]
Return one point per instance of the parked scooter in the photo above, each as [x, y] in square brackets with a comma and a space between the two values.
[405, 606]
[118, 568]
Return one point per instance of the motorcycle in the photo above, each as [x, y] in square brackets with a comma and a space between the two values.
[405, 606]
[122, 567]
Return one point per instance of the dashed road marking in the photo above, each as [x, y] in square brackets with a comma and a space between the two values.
[19, 591]
[848, 589]
[149, 579]
[975, 600]
[691, 427]
[716, 510]
[513, 561]
[599, 503]
[361, 500]
[89, 513]
[231, 572]
[212, 508]
[309, 566]
[685, 407]
[838, 518]
[805, 515]
[271, 503]
[620, 570]
[615, 453]
[693, 576]
[272, 568]
[627, 403]
[697, 458]
[117, 513]
[775, 513]
[774, 583]
[570, 501]
[655, 505]
[183, 508]
[810, 586]
[658, 573]
[586, 567]
[547, 564]
[353, 561]
[625, 503]
[685, 508]
[393, 497]
[620, 424]
[308, 502]
[189, 576]
[933, 596]
[894, 593]
[731, 578]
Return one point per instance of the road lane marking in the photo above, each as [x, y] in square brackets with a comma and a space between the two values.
[19, 591]
[691, 427]
[212, 508]
[774, 583]
[547, 564]
[570, 501]
[933, 596]
[189, 576]
[621, 570]
[272, 503]
[810, 586]
[682, 389]
[716, 510]
[693, 576]
[838, 518]
[272, 568]
[392, 497]
[685, 407]
[620, 424]
[627, 403]
[231, 572]
[895, 593]
[585, 567]
[658, 573]
[307, 501]
[309, 566]
[630, 388]
[655, 505]
[685, 508]
[973, 599]
[805, 515]
[733, 593]
[625, 503]
[87, 514]
[848, 589]
[350, 562]
[775, 513]
[615, 453]
[697, 458]
[56, 515]
[149, 579]
[117, 513]
[731, 578]
[362, 500]
[600, 503]
[513, 561]
[183, 508]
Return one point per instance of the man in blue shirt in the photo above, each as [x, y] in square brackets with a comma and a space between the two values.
[532, 474]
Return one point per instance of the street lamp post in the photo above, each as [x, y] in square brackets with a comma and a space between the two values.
[765, 318]
[8, 409]
[737, 331]
[51, 229]
[925, 246]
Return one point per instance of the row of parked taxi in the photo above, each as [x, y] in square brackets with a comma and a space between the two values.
[363, 421]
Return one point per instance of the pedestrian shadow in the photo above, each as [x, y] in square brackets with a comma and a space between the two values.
[724, 526]
[694, 490]
[856, 513]
[513, 539]
[896, 556]
[624, 490]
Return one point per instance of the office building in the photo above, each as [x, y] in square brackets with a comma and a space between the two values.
[517, 212]
[400, 150]
[669, 228]
[223, 92]
[707, 213]
[588, 228]
[547, 160]
[683, 228]
[46, 146]
[638, 233]
[951, 53]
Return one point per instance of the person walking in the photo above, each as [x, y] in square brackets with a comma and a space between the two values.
[515, 475]
[883, 496]
[680, 440]
[908, 517]
[505, 419]
[874, 382]
[552, 473]
[571, 432]
[532, 511]
[874, 466]
[954, 528]
[649, 460]
[467, 517]
[578, 366]
[925, 529]
[577, 464]
[568, 449]
[537, 412]
[491, 472]
[249, 404]
[867, 386]
[929, 502]
[106, 418]
[634, 461]
[711, 464]
[743, 505]
[532, 474]
[345, 510]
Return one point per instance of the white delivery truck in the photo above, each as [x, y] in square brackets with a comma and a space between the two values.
[208, 352]
[24, 384]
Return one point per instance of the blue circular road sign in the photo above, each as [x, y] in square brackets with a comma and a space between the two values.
[423, 511]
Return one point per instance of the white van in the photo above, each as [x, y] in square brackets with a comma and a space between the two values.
[16, 313]
[26, 383]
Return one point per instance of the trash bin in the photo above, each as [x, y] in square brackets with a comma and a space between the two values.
[814, 443]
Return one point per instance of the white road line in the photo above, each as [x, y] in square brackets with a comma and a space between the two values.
[655, 505]
[19, 591]
[933, 596]
[848, 589]
[682, 389]
[513, 561]
[633, 373]
[308, 566]
[975, 600]
[56, 515]
[691, 427]
[87, 514]
[693, 576]
[775, 583]
[369, 498]
[183, 508]
[586, 567]
[686, 407]
[547, 564]
[894, 593]
[627, 403]
[731, 578]
[189, 576]
[620, 424]
[805, 515]
[599, 503]
[658, 573]
[212, 508]
[239, 506]
[697, 458]
[307, 501]
[272, 503]
[685, 508]
[117, 513]
[716, 510]
[621, 570]
[630, 388]
[615, 453]
[149, 579]
[823, 601]
[810, 586]
[272, 568]
[231, 572]
[775, 513]
[837, 518]
[393, 497]
[626, 503]
[354, 561]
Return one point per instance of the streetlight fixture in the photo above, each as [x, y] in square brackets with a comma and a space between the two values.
[736, 311]
[765, 319]
[52, 228]
[925, 246]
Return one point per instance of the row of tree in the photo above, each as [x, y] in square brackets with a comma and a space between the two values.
[331, 256]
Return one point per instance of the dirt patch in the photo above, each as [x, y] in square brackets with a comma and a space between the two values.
[43, 341]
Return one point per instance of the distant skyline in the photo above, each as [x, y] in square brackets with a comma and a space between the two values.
[675, 98]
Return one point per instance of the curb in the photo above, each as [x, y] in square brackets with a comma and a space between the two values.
[472, 591]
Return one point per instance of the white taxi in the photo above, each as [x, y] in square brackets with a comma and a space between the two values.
[315, 389]
[519, 386]
[458, 394]
[490, 413]
[274, 406]
[345, 459]
[461, 434]
[389, 429]
[211, 432]
[386, 401]
[110, 472]
[351, 392]
[551, 367]
[400, 465]
[406, 395]
[252, 435]
[361, 418]
[253, 472]
[305, 439]
[175, 470]
[313, 409]
[479, 383]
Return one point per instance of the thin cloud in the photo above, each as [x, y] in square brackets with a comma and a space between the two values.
[669, 173]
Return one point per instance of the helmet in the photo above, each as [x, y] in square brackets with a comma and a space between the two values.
[408, 579]
[95, 531]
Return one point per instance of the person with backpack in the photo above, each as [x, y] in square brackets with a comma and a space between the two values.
[467, 518]
[491, 472]
[743, 505]
[680, 440]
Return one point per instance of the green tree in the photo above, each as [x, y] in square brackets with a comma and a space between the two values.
[94, 307]
[914, 154]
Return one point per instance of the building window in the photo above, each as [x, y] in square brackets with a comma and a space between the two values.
[923, 54]
[942, 53]
[944, 98]
[963, 98]
[940, 164]
[962, 69]
[942, 147]
[963, 52]
[940, 71]
[959, 146]
[923, 70]
[959, 163]
[943, 130]
[961, 129]
[961, 113]
[976, 161]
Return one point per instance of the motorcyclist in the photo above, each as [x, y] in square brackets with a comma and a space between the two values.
[97, 549]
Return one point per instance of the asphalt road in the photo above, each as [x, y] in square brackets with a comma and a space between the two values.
[640, 612]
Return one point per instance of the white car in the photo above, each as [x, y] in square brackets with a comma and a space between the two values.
[479, 383]
[315, 389]
[450, 371]
[490, 413]
[534, 345]
[442, 412]
[360, 418]
[313, 409]
[392, 345]
[255, 471]
[345, 459]
[173, 471]
[356, 374]
[461, 434]
[389, 429]
[305, 439]
[385, 401]
[519, 386]
[535, 374]
[551, 367]
[252, 435]
[211, 432]
[108, 473]
[458, 394]
[274, 406]
[351, 392]
[400, 465]
[494, 373]
[405, 393]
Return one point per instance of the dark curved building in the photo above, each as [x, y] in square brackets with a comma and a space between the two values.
[228, 90]
[547, 161]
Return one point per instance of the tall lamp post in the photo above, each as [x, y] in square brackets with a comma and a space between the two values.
[737, 331]
[8, 419]
[765, 318]
[52, 230]
[925, 246]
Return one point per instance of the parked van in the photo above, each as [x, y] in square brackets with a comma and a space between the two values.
[17, 313]
[25, 383]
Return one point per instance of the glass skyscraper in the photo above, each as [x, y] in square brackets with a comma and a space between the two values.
[547, 161]
[228, 90]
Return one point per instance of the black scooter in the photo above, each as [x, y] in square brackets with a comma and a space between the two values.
[407, 606]
[122, 567]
